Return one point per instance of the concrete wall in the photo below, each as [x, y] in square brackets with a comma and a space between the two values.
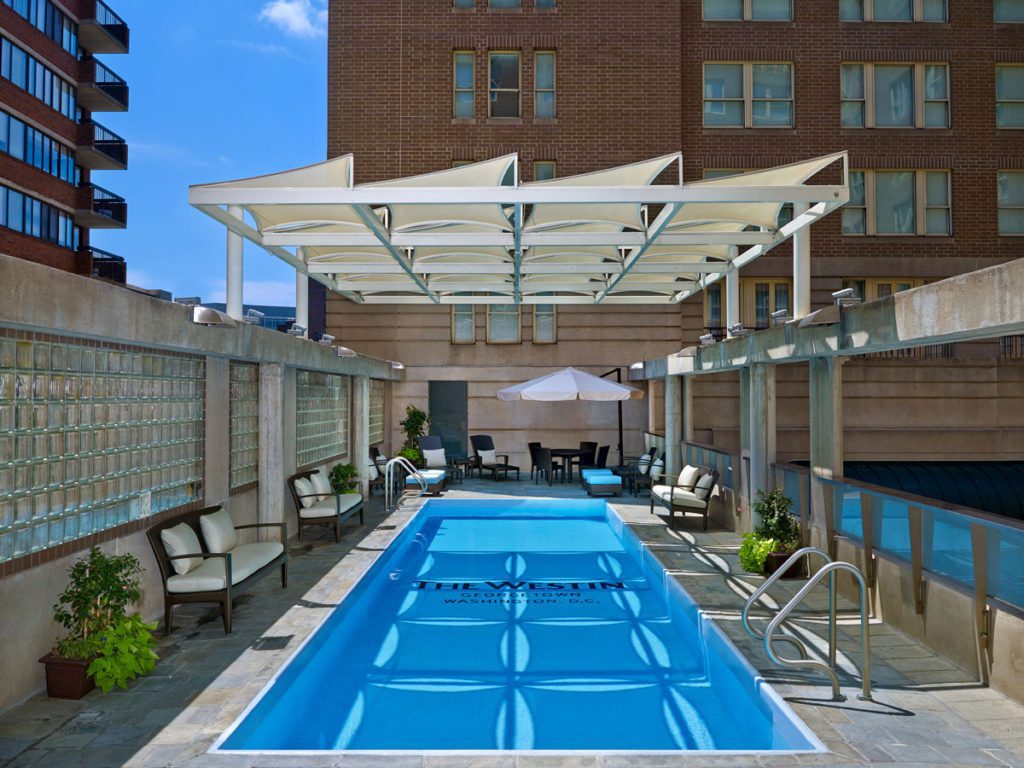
[37, 299]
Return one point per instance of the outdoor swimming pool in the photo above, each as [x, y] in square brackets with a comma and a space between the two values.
[517, 625]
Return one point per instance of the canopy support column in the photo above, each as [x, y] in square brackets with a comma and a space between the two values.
[801, 266]
[233, 281]
[761, 429]
[732, 294]
[360, 453]
[302, 302]
[673, 425]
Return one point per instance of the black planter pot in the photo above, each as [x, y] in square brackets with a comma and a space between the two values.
[66, 678]
[775, 560]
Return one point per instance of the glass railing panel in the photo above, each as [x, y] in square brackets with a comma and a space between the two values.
[947, 545]
[848, 517]
[892, 524]
[1005, 566]
[791, 482]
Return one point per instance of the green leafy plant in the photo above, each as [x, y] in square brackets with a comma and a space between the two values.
[414, 455]
[125, 652]
[344, 478]
[414, 425]
[754, 551]
[772, 508]
[94, 610]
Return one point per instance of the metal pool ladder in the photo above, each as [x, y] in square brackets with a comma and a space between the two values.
[829, 569]
[389, 483]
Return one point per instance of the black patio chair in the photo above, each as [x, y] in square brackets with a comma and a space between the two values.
[533, 457]
[600, 461]
[577, 462]
[486, 457]
[546, 465]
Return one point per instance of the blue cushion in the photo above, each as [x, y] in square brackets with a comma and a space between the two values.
[608, 479]
[595, 472]
[430, 475]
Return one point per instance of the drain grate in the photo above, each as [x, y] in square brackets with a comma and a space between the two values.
[272, 642]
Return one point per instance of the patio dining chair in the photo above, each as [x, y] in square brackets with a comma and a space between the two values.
[588, 457]
[546, 465]
[600, 461]
[533, 457]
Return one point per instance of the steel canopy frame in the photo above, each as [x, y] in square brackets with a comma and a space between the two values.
[383, 266]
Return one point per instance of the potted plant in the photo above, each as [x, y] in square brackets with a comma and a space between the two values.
[104, 645]
[776, 537]
[414, 425]
[344, 478]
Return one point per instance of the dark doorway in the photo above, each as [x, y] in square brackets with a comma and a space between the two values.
[449, 415]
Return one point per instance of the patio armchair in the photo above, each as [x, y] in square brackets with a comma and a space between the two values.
[486, 457]
[316, 503]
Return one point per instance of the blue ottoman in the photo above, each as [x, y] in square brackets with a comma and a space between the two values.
[435, 480]
[586, 474]
[604, 485]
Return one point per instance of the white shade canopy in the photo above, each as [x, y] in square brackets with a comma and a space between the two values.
[474, 234]
[570, 384]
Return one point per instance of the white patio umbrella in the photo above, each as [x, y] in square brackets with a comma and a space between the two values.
[574, 384]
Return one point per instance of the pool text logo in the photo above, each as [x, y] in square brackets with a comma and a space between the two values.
[528, 586]
[508, 593]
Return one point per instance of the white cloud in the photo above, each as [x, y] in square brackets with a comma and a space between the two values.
[296, 18]
[278, 293]
[266, 49]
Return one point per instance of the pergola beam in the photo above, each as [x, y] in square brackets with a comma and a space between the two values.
[443, 268]
[372, 223]
[507, 240]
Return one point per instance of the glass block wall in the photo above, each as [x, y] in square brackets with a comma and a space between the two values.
[376, 411]
[245, 423]
[322, 417]
[93, 435]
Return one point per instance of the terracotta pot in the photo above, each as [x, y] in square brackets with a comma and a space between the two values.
[66, 678]
[775, 560]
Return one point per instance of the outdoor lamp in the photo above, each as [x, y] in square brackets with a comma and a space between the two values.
[845, 297]
[297, 330]
[396, 366]
[707, 339]
[253, 316]
[345, 352]
[326, 339]
[211, 317]
[188, 301]
[781, 316]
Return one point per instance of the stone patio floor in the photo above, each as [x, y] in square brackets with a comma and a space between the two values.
[926, 712]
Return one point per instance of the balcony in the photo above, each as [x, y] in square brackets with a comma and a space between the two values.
[100, 149]
[102, 31]
[107, 266]
[99, 208]
[101, 89]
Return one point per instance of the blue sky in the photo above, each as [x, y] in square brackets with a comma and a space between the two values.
[220, 89]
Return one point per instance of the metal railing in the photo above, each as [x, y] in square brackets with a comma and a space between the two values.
[770, 637]
[106, 203]
[390, 481]
[106, 141]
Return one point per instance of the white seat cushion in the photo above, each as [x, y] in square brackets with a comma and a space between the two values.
[657, 469]
[321, 484]
[435, 458]
[488, 458]
[330, 507]
[704, 485]
[182, 540]
[679, 497]
[209, 577]
[218, 531]
[307, 493]
[643, 465]
[372, 473]
[430, 475]
[688, 476]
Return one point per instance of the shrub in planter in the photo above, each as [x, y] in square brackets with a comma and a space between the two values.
[414, 456]
[104, 645]
[776, 537]
[415, 425]
[344, 478]
[754, 551]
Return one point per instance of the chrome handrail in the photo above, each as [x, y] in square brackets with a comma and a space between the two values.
[389, 481]
[829, 570]
[790, 562]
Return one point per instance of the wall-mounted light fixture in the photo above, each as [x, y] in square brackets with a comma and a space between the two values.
[396, 366]
[253, 316]
[845, 298]
[188, 301]
[297, 330]
[707, 340]
[326, 339]
[781, 316]
[211, 317]
[345, 352]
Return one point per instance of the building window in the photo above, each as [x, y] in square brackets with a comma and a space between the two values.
[892, 10]
[464, 3]
[895, 96]
[1011, 202]
[30, 75]
[544, 4]
[36, 148]
[1009, 10]
[750, 95]
[503, 324]
[463, 324]
[748, 10]
[25, 214]
[50, 20]
[504, 3]
[1010, 96]
[244, 424]
[544, 324]
[543, 170]
[377, 411]
[759, 297]
[898, 203]
[544, 74]
[321, 417]
[504, 84]
[871, 288]
[464, 105]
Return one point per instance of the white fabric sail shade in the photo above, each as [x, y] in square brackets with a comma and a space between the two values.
[475, 234]
[570, 384]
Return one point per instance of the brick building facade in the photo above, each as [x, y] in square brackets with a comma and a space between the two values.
[50, 87]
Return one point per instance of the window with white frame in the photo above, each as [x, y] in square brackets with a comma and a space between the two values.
[504, 84]
[503, 324]
[872, 288]
[893, 10]
[462, 81]
[748, 10]
[463, 324]
[894, 95]
[1010, 96]
[544, 84]
[1011, 202]
[759, 297]
[544, 324]
[543, 170]
[1009, 11]
[898, 203]
[748, 95]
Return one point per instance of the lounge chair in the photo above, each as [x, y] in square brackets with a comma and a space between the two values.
[434, 456]
[486, 457]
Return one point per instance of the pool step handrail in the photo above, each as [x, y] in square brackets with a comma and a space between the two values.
[389, 482]
[791, 561]
[829, 570]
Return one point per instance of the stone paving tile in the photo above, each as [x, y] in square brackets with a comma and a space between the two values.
[926, 709]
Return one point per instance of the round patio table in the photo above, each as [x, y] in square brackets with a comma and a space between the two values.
[567, 455]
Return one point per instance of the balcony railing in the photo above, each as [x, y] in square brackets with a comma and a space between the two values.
[102, 89]
[100, 148]
[108, 266]
[103, 31]
[99, 208]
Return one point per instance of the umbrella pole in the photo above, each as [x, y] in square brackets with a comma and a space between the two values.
[618, 378]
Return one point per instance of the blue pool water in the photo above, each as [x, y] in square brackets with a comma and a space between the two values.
[517, 625]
